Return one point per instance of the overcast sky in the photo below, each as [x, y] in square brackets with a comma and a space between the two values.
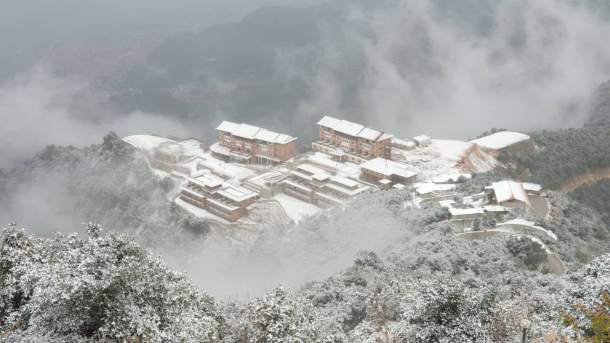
[446, 68]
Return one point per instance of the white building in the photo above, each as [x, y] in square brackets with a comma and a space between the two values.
[422, 141]
[510, 194]
[380, 169]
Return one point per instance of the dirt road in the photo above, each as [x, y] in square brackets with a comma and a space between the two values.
[579, 180]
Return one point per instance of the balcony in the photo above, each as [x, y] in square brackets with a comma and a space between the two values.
[340, 153]
[297, 195]
[220, 213]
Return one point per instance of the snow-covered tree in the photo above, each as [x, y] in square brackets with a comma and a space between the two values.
[104, 287]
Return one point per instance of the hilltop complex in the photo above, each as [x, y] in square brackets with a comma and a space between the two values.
[252, 165]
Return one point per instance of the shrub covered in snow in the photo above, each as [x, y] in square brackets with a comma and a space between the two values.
[104, 287]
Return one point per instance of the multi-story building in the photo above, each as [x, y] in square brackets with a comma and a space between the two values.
[250, 144]
[347, 141]
[387, 173]
[311, 184]
[225, 201]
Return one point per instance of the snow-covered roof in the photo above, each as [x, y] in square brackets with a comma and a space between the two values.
[344, 181]
[347, 191]
[220, 149]
[227, 126]
[388, 167]
[329, 122]
[399, 186]
[399, 141]
[424, 188]
[320, 177]
[509, 190]
[384, 137]
[354, 129]
[370, 134]
[254, 132]
[501, 140]
[205, 181]
[422, 138]
[267, 136]
[349, 128]
[237, 194]
[310, 169]
[246, 131]
[447, 203]
[283, 139]
[466, 211]
[301, 175]
[384, 181]
[446, 178]
[534, 187]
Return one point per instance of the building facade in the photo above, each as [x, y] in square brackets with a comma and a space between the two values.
[227, 202]
[311, 184]
[347, 141]
[251, 144]
[381, 170]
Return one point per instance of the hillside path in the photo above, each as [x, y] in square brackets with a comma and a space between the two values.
[579, 180]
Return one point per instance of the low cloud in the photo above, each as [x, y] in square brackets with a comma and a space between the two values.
[39, 109]
[455, 69]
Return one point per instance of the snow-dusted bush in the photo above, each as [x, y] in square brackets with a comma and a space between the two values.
[104, 287]
[281, 317]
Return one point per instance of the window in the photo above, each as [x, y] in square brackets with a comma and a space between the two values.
[248, 145]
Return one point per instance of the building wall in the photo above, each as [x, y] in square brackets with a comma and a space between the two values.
[283, 152]
[514, 204]
[355, 144]
[370, 175]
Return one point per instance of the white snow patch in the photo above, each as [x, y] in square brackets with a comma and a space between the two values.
[439, 158]
[295, 208]
[501, 140]
[196, 211]
[145, 142]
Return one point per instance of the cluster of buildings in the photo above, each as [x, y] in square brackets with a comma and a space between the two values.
[314, 185]
[211, 193]
[498, 199]
[320, 178]
[316, 180]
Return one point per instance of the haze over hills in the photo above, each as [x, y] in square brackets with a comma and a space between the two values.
[433, 67]
[112, 160]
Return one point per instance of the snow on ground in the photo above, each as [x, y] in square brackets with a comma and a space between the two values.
[439, 158]
[198, 212]
[145, 142]
[346, 169]
[296, 208]
[523, 222]
[234, 173]
[479, 161]
[452, 151]
[501, 140]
